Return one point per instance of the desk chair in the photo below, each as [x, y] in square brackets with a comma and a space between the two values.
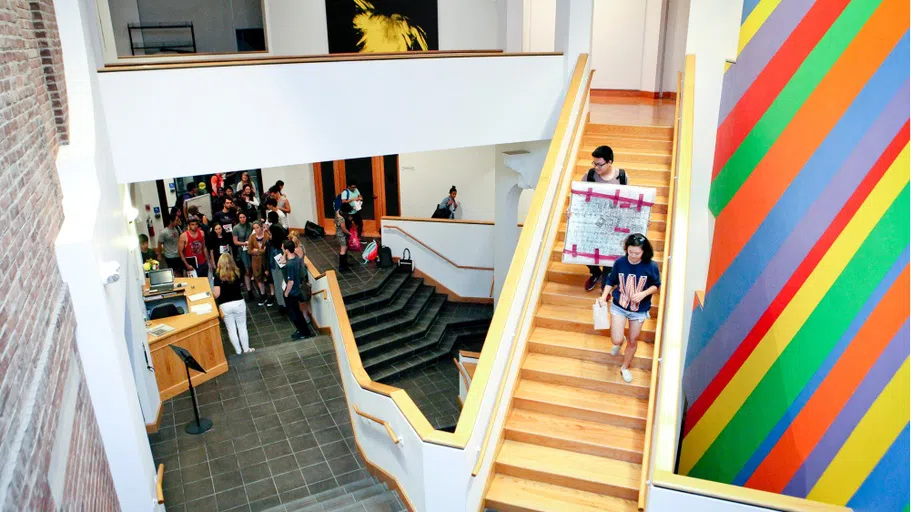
[164, 311]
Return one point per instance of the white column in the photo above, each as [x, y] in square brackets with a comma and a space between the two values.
[573, 30]
[506, 219]
[511, 18]
[95, 238]
[653, 36]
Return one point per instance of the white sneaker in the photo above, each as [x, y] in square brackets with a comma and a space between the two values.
[627, 376]
[615, 350]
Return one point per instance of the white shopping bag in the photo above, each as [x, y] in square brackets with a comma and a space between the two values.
[601, 315]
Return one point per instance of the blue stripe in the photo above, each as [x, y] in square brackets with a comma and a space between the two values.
[810, 389]
[886, 488]
[791, 208]
[748, 6]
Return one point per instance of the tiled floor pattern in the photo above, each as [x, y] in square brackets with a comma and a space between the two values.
[281, 432]
[435, 390]
[281, 427]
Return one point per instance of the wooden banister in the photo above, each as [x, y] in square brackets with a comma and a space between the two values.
[463, 373]
[384, 423]
[159, 482]
[431, 249]
[543, 259]
[302, 59]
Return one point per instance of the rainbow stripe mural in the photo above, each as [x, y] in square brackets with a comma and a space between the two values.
[797, 368]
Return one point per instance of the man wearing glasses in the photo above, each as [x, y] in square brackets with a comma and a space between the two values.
[602, 171]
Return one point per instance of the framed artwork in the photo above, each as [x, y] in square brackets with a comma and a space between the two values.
[381, 26]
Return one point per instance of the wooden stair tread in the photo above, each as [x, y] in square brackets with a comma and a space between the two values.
[576, 369]
[582, 399]
[567, 466]
[596, 344]
[579, 315]
[644, 166]
[470, 368]
[571, 429]
[512, 494]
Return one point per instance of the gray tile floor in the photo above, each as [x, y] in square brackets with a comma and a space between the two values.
[435, 390]
[281, 432]
[281, 426]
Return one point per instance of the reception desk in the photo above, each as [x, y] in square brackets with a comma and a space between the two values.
[198, 333]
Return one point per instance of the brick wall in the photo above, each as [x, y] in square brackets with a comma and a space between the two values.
[46, 418]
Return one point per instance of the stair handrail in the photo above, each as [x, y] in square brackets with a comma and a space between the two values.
[434, 251]
[380, 421]
[542, 255]
[659, 324]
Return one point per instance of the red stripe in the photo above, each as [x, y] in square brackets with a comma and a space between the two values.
[773, 78]
[749, 343]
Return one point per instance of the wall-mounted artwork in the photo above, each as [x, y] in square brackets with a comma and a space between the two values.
[381, 26]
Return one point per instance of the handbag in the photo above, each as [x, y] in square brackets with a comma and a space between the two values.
[440, 213]
[405, 263]
[354, 242]
[601, 316]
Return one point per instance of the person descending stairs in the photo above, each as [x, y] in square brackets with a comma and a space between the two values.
[575, 431]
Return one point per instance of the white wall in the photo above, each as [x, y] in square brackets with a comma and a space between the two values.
[639, 45]
[95, 231]
[674, 43]
[298, 187]
[669, 500]
[305, 112]
[425, 179]
[714, 26]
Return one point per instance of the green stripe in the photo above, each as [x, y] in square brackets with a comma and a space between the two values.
[768, 129]
[811, 345]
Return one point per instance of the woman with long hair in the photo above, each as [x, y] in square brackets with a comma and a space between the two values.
[259, 260]
[631, 284]
[230, 300]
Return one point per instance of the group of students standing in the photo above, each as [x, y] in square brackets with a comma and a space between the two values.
[251, 253]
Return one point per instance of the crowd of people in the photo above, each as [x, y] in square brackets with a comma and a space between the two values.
[246, 249]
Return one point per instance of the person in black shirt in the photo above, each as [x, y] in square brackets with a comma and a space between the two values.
[227, 217]
[217, 243]
[277, 236]
[230, 300]
[293, 291]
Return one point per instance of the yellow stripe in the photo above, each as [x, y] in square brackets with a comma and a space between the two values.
[776, 340]
[755, 20]
[870, 440]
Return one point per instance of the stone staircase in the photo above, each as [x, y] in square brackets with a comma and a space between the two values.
[367, 495]
[401, 324]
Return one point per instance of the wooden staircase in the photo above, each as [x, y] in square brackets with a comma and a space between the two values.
[575, 432]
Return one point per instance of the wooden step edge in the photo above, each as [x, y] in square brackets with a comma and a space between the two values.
[611, 417]
[589, 485]
[610, 447]
[641, 362]
[512, 494]
[618, 387]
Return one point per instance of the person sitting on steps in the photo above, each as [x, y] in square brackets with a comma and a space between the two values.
[631, 284]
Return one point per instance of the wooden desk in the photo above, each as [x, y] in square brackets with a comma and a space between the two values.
[200, 334]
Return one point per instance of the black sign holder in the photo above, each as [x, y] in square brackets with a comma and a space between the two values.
[201, 424]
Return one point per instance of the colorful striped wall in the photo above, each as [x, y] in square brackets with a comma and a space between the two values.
[797, 370]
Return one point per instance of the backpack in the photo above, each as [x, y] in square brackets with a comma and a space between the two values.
[440, 213]
[337, 203]
[622, 176]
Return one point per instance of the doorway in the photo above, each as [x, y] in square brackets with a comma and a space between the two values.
[377, 179]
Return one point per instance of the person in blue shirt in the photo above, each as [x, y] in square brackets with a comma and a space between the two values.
[631, 284]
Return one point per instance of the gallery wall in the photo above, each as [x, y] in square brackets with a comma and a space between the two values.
[797, 369]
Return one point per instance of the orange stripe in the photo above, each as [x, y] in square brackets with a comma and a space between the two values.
[810, 126]
[820, 411]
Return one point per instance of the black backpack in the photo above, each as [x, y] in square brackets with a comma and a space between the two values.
[384, 259]
[622, 176]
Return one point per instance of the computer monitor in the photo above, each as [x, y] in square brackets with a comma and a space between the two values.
[159, 278]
